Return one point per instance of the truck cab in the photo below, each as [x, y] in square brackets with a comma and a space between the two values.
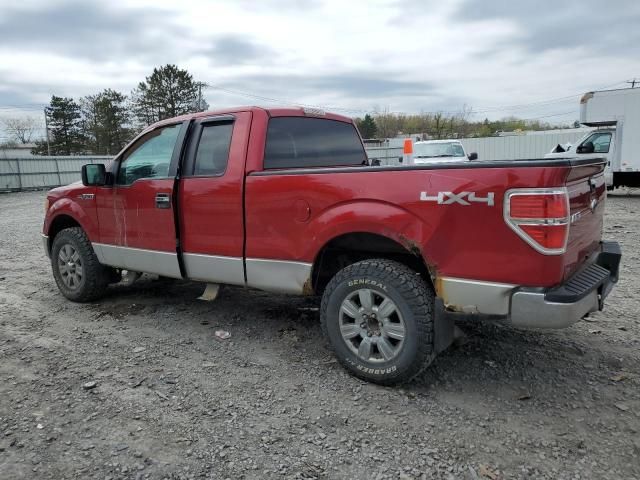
[616, 114]
[599, 143]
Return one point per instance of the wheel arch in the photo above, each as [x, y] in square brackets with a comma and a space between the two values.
[59, 223]
[347, 248]
[65, 213]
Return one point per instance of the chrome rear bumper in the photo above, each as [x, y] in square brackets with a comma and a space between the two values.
[534, 307]
[531, 310]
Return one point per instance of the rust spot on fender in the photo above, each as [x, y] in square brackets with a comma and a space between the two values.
[414, 249]
[441, 292]
[307, 288]
[439, 287]
[410, 245]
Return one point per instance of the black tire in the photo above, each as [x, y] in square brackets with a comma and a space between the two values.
[95, 277]
[414, 301]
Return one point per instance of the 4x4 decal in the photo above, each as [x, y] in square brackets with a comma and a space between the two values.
[462, 198]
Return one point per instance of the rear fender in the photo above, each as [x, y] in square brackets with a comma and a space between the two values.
[376, 217]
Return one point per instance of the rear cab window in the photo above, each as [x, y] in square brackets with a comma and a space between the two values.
[209, 149]
[212, 155]
[304, 142]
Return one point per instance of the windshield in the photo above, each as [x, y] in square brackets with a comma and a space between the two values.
[433, 150]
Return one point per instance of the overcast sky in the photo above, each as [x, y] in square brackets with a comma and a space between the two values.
[498, 57]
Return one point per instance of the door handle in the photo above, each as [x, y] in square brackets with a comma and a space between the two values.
[163, 200]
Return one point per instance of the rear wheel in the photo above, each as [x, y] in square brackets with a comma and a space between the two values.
[78, 274]
[378, 317]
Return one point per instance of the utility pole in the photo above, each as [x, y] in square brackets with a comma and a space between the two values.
[200, 85]
[633, 82]
[46, 127]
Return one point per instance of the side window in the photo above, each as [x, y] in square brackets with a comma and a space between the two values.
[150, 157]
[458, 151]
[601, 142]
[212, 154]
[300, 142]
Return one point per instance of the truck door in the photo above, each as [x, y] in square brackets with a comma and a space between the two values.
[211, 199]
[599, 145]
[136, 214]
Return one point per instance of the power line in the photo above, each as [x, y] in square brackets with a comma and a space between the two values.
[543, 102]
[504, 108]
[282, 101]
[548, 116]
[23, 106]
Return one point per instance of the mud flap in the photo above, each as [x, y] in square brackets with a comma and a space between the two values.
[210, 293]
[443, 327]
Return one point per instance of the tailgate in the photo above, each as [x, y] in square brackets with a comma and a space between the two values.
[587, 192]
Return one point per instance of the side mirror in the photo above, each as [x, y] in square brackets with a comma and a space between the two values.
[586, 148]
[472, 156]
[94, 175]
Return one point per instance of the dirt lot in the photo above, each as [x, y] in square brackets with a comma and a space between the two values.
[172, 401]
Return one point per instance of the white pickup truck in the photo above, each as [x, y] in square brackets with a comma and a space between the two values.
[430, 151]
[616, 114]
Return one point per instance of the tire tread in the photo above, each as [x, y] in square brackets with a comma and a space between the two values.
[96, 275]
[414, 291]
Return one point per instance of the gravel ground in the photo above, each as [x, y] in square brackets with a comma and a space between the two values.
[138, 386]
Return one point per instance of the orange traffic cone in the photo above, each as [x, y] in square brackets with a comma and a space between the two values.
[407, 152]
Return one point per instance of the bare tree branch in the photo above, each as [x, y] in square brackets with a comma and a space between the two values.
[21, 129]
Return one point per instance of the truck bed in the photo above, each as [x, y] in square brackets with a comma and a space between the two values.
[459, 240]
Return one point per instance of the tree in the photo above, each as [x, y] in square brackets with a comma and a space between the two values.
[367, 126]
[387, 124]
[484, 129]
[65, 128]
[21, 129]
[438, 125]
[464, 127]
[167, 92]
[106, 122]
[201, 104]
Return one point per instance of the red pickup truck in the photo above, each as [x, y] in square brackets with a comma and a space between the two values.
[284, 200]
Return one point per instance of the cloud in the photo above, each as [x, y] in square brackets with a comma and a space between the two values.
[90, 30]
[281, 5]
[352, 84]
[603, 28]
[405, 55]
[234, 49]
[350, 92]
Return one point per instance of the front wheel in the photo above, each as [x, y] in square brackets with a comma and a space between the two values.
[378, 317]
[79, 275]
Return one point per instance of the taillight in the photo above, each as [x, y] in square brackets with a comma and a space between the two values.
[540, 217]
